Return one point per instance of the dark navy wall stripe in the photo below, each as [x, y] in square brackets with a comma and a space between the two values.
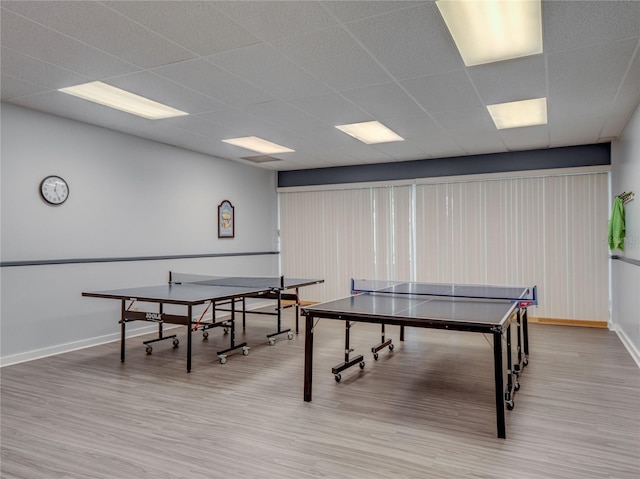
[565, 157]
[627, 260]
[129, 258]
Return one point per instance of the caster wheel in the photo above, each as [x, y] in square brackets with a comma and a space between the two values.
[272, 341]
[375, 356]
[510, 405]
[223, 359]
[245, 351]
[525, 361]
[149, 349]
[226, 330]
[361, 364]
[516, 386]
[205, 335]
[338, 377]
[290, 335]
[391, 346]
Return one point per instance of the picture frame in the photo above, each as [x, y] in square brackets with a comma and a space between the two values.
[226, 220]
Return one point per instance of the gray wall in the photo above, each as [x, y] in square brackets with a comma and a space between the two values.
[625, 276]
[128, 198]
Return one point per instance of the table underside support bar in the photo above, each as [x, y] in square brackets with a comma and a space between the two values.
[161, 336]
[348, 361]
[383, 343]
[277, 296]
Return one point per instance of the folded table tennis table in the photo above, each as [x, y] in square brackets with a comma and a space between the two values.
[215, 293]
[473, 308]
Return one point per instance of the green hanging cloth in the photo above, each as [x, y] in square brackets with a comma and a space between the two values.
[616, 226]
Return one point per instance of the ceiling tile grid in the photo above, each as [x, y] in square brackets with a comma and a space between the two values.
[289, 71]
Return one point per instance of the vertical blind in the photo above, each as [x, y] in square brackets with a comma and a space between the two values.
[545, 231]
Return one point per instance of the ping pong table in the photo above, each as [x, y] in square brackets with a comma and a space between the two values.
[473, 308]
[215, 293]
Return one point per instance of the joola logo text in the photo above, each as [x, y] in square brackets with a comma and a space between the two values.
[153, 317]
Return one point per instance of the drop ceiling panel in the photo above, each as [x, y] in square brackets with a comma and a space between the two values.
[426, 134]
[37, 41]
[475, 144]
[633, 74]
[587, 69]
[358, 155]
[238, 120]
[401, 150]
[207, 78]
[511, 80]
[31, 69]
[466, 122]
[447, 91]
[518, 139]
[349, 11]
[571, 24]
[573, 132]
[12, 88]
[96, 25]
[387, 100]
[409, 43]
[563, 107]
[332, 109]
[332, 56]
[202, 127]
[626, 101]
[199, 26]
[273, 20]
[285, 115]
[275, 73]
[613, 126]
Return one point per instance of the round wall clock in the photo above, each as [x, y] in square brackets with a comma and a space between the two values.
[54, 190]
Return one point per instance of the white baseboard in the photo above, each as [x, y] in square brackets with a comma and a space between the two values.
[96, 341]
[74, 346]
[635, 354]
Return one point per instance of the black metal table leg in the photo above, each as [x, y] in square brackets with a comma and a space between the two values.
[189, 316]
[308, 358]
[525, 336]
[122, 330]
[499, 384]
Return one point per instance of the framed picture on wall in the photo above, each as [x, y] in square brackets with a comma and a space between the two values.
[226, 219]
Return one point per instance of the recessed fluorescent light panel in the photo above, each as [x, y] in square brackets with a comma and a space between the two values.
[255, 143]
[370, 132]
[113, 97]
[517, 114]
[493, 30]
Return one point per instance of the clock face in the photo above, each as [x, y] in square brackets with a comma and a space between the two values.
[54, 190]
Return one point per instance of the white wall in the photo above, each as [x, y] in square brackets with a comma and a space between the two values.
[625, 176]
[129, 197]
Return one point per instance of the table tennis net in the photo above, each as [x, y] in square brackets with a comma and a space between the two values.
[263, 282]
[511, 293]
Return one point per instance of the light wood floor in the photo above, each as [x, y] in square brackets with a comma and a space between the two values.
[425, 410]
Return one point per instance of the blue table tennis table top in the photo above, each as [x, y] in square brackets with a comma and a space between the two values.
[481, 305]
[205, 289]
